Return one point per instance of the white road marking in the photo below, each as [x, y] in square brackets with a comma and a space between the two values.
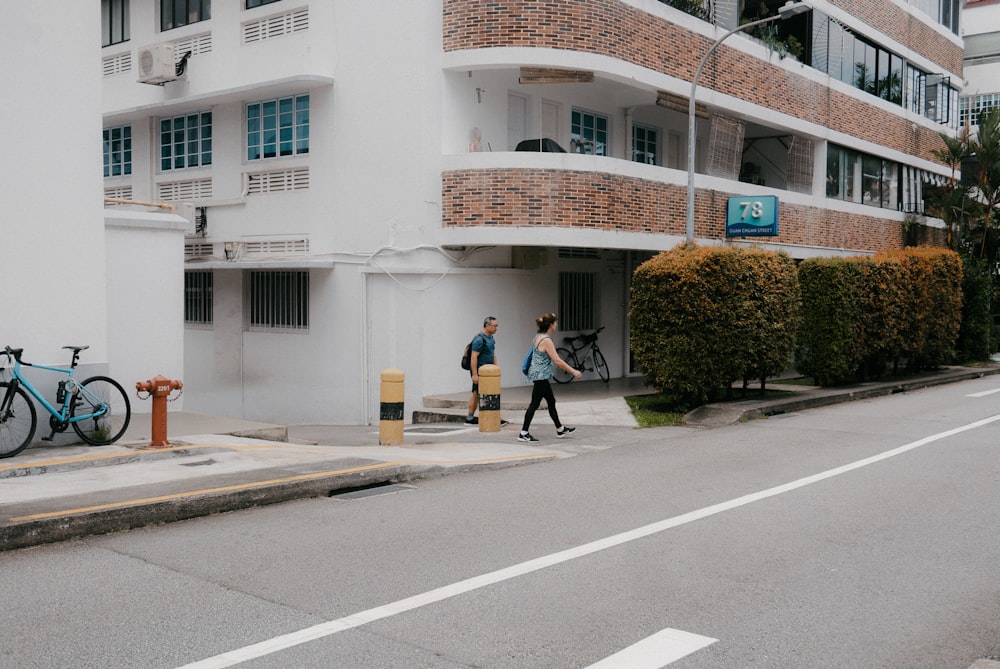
[984, 393]
[328, 628]
[656, 651]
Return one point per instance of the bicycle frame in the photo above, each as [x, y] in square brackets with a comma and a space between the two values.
[61, 414]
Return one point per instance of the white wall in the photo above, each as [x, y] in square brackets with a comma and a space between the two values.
[145, 299]
[54, 245]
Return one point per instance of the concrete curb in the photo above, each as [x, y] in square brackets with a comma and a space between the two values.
[50, 528]
[728, 413]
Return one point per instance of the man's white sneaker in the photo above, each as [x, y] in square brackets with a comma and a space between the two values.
[562, 432]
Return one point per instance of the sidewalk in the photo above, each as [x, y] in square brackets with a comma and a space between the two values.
[62, 491]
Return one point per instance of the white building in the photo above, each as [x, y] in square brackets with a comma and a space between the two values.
[360, 205]
[981, 29]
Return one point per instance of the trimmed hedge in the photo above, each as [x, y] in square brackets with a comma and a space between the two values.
[704, 317]
[859, 314]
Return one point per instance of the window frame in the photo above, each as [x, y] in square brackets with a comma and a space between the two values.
[125, 152]
[115, 14]
[194, 11]
[638, 128]
[579, 131]
[295, 121]
[168, 150]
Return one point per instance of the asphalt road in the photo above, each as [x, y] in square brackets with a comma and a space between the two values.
[858, 535]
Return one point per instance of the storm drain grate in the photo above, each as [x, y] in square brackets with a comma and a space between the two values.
[372, 490]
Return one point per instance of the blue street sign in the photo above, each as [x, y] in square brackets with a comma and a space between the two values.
[752, 216]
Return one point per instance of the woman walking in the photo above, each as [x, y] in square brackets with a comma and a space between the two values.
[543, 361]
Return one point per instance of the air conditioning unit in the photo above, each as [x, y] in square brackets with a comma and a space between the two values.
[156, 64]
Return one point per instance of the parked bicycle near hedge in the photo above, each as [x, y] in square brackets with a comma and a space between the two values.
[580, 355]
[97, 408]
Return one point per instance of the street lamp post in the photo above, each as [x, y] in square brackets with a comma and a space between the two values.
[787, 10]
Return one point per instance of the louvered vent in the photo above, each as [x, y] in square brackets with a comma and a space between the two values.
[119, 193]
[118, 63]
[276, 26]
[197, 250]
[196, 44]
[197, 189]
[580, 254]
[282, 247]
[278, 181]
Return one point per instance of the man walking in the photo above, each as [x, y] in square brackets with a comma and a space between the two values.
[483, 352]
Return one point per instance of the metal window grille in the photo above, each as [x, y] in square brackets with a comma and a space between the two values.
[198, 297]
[577, 309]
[279, 299]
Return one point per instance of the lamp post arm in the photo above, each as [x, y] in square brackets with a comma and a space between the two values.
[692, 140]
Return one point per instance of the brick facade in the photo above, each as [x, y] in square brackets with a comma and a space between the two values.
[602, 201]
[616, 30]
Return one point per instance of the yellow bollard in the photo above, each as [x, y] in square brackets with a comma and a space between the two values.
[489, 398]
[391, 393]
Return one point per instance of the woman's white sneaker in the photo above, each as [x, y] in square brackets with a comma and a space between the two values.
[564, 430]
[524, 436]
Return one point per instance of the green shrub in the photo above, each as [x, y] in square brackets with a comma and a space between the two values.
[704, 317]
[859, 314]
[831, 306]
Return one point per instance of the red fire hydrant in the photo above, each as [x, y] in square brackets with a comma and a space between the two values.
[159, 388]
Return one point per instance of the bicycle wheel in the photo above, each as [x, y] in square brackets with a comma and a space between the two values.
[17, 420]
[109, 426]
[560, 374]
[601, 365]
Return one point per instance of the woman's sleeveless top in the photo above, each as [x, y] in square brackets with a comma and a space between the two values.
[541, 365]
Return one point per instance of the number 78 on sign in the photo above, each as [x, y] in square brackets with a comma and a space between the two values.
[752, 216]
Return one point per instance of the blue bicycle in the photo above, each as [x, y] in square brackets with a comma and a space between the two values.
[97, 408]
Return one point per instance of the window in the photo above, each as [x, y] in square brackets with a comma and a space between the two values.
[198, 297]
[589, 133]
[975, 105]
[644, 144]
[278, 127]
[577, 301]
[118, 151]
[859, 177]
[177, 13]
[114, 22]
[258, 3]
[279, 300]
[186, 141]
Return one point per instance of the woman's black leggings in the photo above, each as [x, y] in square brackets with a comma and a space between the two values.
[542, 390]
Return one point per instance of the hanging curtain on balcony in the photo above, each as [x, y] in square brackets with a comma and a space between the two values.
[725, 147]
[800, 165]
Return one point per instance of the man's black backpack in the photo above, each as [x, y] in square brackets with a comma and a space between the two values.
[467, 356]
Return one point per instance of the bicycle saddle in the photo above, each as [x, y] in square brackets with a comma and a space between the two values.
[77, 349]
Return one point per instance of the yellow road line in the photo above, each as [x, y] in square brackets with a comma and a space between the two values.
[256, 484]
